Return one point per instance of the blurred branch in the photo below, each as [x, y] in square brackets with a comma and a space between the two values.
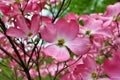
[59, 11]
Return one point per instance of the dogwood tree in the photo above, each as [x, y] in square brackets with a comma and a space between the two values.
[38, 43]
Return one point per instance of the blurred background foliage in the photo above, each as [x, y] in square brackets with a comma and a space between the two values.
[89, 6]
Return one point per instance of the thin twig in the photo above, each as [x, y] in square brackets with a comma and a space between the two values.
[66, 67]
[59, 11]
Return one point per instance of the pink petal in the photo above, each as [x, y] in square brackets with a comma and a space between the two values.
[113, 10]
[80, 68]
[112, 67]
[20, 20]
[117, 78]
[69, 76]
[46, 19]
[1, 35]
[14, 32]
[33, 73]
[35, 23]
[93, 24]
[90, 63]
[65, 28]
[105, 32]
[54, 1]
[4, 8]
[79, 45]
[72, 16]
[48, 33]
[104, 79]
[107, 23]
[58, 53]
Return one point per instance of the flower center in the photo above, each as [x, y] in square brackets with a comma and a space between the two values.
[114, 16]
[118, 19]
[29, 34]
[61, 42]
[93, 75]
[88, 32]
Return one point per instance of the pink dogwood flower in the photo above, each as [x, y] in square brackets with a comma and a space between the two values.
[111, 14]
[61, 36]
[112, 67]
[34, 6]
[4, 8]
[33, 73]
[87, 70]
[24, 29]
[94, 27]
[113, 10]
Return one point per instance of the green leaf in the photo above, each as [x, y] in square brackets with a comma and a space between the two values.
[49, 60]
[17, 0]
[81, 22]
[100, 60]
[1, 15]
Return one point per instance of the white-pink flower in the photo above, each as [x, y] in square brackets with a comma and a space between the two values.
[63, 36]
[94, 27]
[24, 29]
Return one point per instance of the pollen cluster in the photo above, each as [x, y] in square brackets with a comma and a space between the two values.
[61, 42]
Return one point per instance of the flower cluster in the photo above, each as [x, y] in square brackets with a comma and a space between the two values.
[85, 47]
